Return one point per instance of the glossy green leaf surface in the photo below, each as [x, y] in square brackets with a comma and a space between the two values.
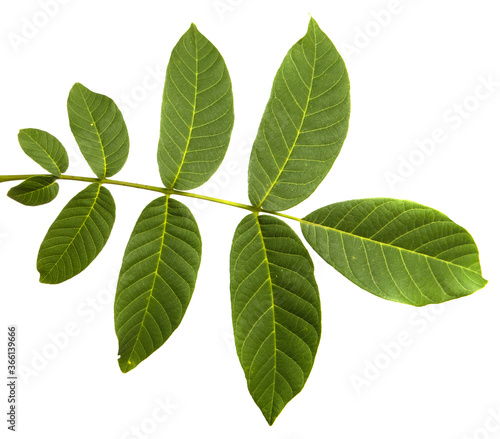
[275, 309]
[35, 191]
[398, 250]
[197, 113]
[156, 280]
[77, 235]
[304, 124]
[44, 149]
[99, 129]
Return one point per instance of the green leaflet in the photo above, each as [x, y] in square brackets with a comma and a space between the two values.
[99, 129]
[398, 250]
[156, 280]
[304, 124]
[276, 311]
[197, 113]
[44, 149]
[77, 235]
[35, 191]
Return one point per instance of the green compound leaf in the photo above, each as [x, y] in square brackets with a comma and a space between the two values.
[44, 149]
[156, 280]
[398, 250]
[35, 191]
[197, 114]
[77, 235]
[304, 124]
[99, 129]
[276, 311]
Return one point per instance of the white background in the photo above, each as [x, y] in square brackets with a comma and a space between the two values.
[407, 77]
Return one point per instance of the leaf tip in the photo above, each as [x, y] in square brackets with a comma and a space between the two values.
[48, 279]
[43, 279]
[126, 365]
[270, 415]
[193, 31]
[78, 86]
[270, 420]
[312, 21]
[48, 276]
[12, 196]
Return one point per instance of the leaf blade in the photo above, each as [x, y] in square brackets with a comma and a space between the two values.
[35, 191]
[44, 149]
[420, 256]
[77, 235]
[99, 129]
[304, 124]
[157, 279]
[197, 113]
[275, 309]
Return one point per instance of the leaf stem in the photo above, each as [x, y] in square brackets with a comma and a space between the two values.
[162, 190]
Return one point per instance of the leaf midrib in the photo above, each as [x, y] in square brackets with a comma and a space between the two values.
[274, 312]
[401, 249]
[155, 276]
[40, 189]
[188, 140]
[272, 185]
[76, 234]
[98, 134]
